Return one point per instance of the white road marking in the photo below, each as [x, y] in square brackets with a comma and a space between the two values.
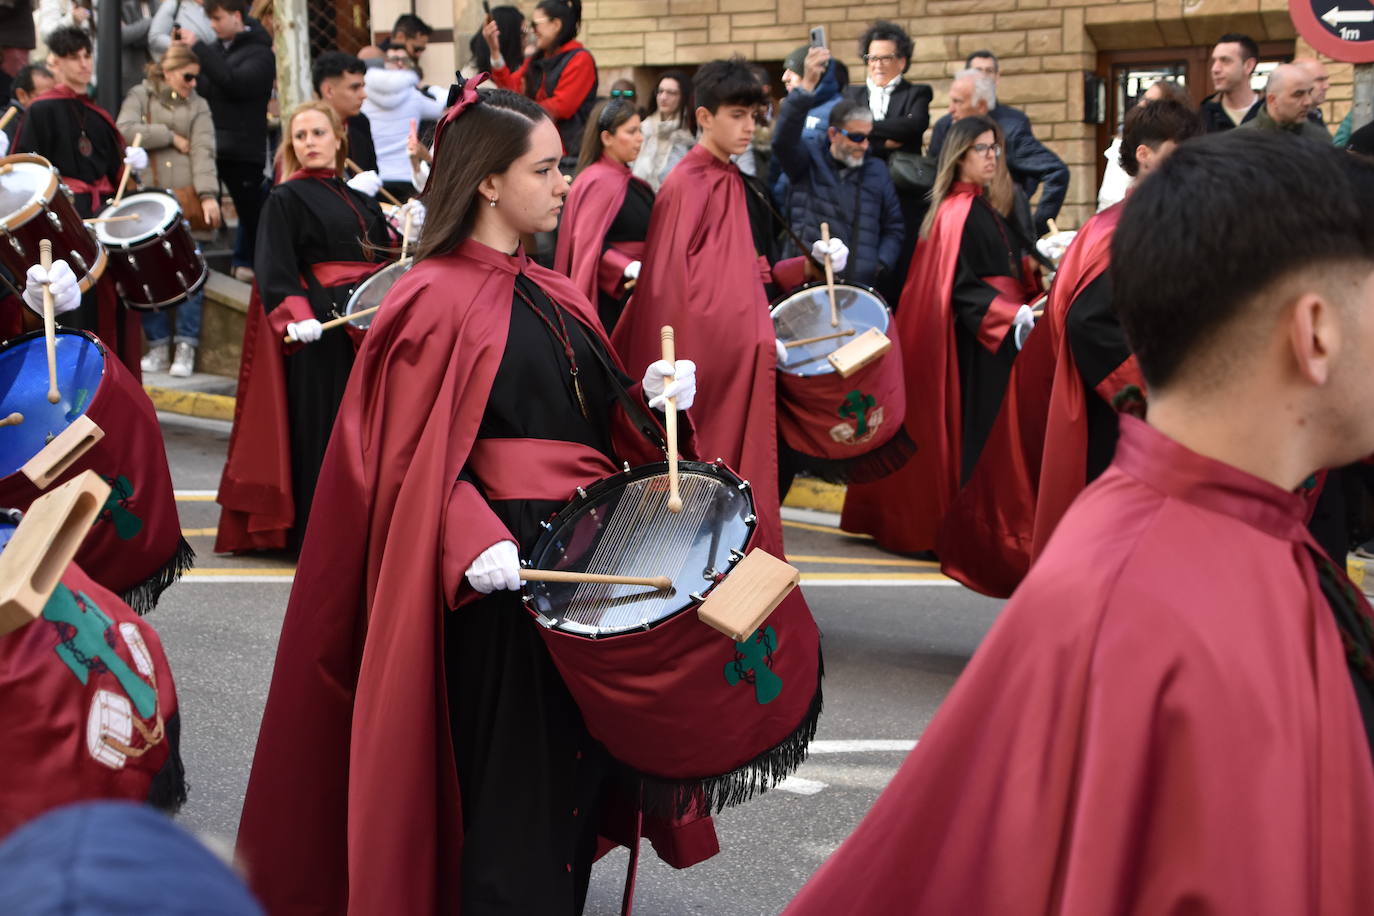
[878, 583]
[811, 516]
[798, 786]
[192, 579]
[861, 746]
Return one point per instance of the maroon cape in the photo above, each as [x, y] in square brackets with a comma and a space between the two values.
[1162, 721]
[353, 803]
[588, 212]
[903, 510]
[986, 538]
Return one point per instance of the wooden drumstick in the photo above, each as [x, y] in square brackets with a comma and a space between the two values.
[9, 116]
[1054, 228]
[124, 179]
[670, 423]
[830, 279]
[849, 332]
[405, 233]
[49, 322]
[662, 583]
[13, 419]
[335, 322]
[384, 192]
[110, 219]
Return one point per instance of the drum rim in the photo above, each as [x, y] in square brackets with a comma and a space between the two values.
[37, 204]
[150, 308]
[152, 235]
[787, 297]
[357, 290]
[590, 493]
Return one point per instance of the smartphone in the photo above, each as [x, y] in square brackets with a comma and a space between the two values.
[486, 8]
[818, 37]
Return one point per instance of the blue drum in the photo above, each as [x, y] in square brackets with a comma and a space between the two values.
[24, 390]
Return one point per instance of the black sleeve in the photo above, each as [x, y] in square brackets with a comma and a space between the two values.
[1096, 337]
[245, 75]
[937, 136]
[907, 127]
[1032, 164]
[788, 149]
[275, 261]
[983, 252]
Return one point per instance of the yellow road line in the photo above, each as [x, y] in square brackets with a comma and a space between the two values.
[824, 529]
[195, 497]
[198, 532]
[862, 561]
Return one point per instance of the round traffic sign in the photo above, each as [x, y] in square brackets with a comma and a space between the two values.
[1341, 29]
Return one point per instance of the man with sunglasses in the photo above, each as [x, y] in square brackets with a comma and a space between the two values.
[834, 180]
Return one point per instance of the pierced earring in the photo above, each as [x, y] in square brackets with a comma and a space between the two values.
[491, 201]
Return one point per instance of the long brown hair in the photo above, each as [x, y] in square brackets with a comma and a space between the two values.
[960, 139]
[177, 56]
[609, 116]
[286, 153]
[484, 140]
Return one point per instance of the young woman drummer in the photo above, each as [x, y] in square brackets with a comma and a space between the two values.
[606, 217]
[317, 239]
[419, 751]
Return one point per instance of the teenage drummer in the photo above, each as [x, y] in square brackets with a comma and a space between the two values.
[80, 139]
[317, 239]
[441, 747]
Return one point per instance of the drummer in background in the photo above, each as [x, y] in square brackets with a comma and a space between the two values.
[606, 217]
[30, 81]
[317, 240]
[485, 391]
[179, 135]
[82, 142]
[966, 286]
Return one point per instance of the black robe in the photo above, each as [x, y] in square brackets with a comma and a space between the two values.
[1099, 348]
[309, 221]
[631, 224]
[985, 250]
[532, 778]
[53, 128]
[361, 149]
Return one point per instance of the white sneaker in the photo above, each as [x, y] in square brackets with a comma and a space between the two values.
[183, 361]
[156, 359]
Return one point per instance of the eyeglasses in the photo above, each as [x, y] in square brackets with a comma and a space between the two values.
[983, 149]
[879, 58]
[855, 136]
[622, 93]
[190, 77]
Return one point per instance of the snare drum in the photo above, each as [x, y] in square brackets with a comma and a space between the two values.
[846, 428]
[153, 257]
[35, 205]
[373, 290]
[707, 721]
[135, 547]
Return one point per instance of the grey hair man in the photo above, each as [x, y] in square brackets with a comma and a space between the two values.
[1287, 101]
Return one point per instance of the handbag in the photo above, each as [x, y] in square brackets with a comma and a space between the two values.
[912, 173]
[187, 196]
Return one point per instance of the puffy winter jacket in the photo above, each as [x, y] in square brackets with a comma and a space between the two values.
[392, 102]
[237, 82]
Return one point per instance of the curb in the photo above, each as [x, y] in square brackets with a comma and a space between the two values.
[808, 493]
[192, 403]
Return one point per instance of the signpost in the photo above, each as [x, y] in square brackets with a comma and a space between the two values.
[1342, 30]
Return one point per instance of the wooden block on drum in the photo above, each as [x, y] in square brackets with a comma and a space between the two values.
[859, 352]
[748, 594]
[53, 459]
[43, 545]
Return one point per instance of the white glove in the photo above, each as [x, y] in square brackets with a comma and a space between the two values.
[782, 352]
[307, 331]
[366, 183]
[632, 270]
[416, 209]
[1054, 246]
[497, 567]
[838, 251]
[1022, 325]
[4, 143]
[684, 386]
[66, 295]
[136, 158]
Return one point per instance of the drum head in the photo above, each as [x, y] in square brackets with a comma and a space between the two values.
[374, 289]
[24, 182]
[151, 212]
[622, 526]
[806, 313]
[24, 389]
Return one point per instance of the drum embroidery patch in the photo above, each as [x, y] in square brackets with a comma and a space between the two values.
[867, 416]
[86, 645]
[127, 525]
[753, 664]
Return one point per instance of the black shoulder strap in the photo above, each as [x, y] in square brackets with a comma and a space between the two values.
[633, 409]
[804, 248]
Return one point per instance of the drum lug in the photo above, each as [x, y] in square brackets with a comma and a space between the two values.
[626, 465]
[735, 555]
[147, 294]
[182, 280]
[119, 288]
[79, 261]
[750, 519]
[581, 493]
[743, 486]
[167, 247]
[14, 243]
[54, 219]
[546, 526]
[697, 597]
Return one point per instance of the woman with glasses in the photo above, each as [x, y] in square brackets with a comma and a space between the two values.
[966, 287]
[670, 129]
[606, 215]
[179, 135]
[560, 75]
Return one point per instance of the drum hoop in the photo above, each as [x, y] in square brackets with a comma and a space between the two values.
[619, 480]
[178, 299]
[96, 270]
[151, 236]
[36, 205]
[367, 281]
[74, 332]
[772, 306]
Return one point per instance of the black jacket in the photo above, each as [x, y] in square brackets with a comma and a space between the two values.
[1031, 164]
[859, 204]
[237, 82]
[1215, 118]
[908, 115]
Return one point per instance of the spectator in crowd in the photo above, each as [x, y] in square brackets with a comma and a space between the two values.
[1115, 180]
[974, 91]
[17, 41]
[1287, 103]
[31, 80]
[670, 129]
[57, 14]
[338, 79]
[834, 180]
[510, 22]
[1234, 102]
[179, 135]
[560, 75]
[1321, 85]
[237, 71]
[824, 96]
[136, 16]
[187, 17]
[265, 12]
[393, 106]
[624, 89]
[410, 33]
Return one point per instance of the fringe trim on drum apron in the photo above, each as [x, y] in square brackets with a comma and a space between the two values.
[168, 791]
[700, 797]
[144, 596]
[887, 458]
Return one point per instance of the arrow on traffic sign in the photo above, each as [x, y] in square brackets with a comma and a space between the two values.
[1337, 16]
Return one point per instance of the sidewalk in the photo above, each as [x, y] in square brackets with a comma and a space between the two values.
[210, 397]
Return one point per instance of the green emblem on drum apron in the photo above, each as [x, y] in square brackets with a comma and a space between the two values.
[856, 404]
[86, 646]
[753, 664]
[116, 509]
